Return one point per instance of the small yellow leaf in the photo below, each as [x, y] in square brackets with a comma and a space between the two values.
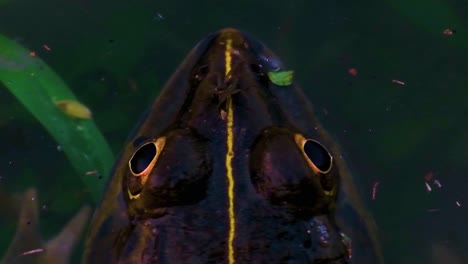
[74, 109]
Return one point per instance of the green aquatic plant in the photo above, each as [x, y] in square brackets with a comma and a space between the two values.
[42, 92]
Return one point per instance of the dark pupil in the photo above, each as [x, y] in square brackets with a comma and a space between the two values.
[143, 158]
[318, 155]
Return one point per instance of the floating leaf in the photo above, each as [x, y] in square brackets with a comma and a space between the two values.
[281, 78]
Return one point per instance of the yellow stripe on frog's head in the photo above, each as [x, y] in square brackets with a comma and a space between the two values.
[226, 36]
[233, 41]
[228, 58]
[229, 157]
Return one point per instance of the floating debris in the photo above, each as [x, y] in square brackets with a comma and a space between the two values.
[374, 190]
[398, 82]
[91, 172]
[281, 78]
[449, 32]
[74, 109]
[353, 71]
[428, 188]
[34, 251]
[429, 177]
[158, 17]
[46, 47]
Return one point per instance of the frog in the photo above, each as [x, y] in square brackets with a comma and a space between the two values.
[229, 167]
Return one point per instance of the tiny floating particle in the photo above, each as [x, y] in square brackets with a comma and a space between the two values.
[32, 54]
[281, 78]
[46, 47]
[353, 71]
[428, 188]
[458, 203]
[398, 82]
[374, 190]
[91, 172]
[449, 31]
[74, 109]
[159, 17]
[34, 251]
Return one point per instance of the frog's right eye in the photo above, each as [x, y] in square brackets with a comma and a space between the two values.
[141, 163]
[318, 157]
[320, 161]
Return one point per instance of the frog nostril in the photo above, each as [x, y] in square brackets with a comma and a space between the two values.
[199, 74]
[257, 69]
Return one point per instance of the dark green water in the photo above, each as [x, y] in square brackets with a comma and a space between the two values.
[116, 55]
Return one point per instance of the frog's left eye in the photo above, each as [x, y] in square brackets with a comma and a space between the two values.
[142, 159]
[316, 154]
[141, 163]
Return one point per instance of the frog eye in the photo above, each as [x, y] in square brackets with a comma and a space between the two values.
[316, 154]
[142, 158]
[141, 163]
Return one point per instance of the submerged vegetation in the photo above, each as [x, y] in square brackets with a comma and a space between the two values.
[54, 105]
